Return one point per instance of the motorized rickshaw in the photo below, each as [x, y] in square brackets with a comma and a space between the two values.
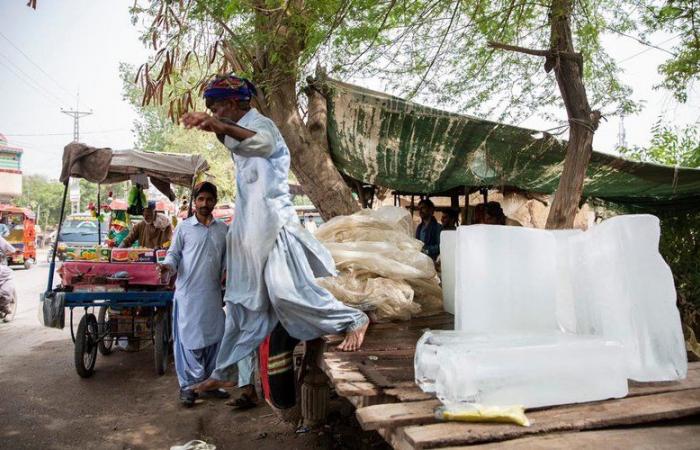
[19, 224]
[133, 300]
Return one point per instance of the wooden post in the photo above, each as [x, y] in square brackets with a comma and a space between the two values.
[315, 392]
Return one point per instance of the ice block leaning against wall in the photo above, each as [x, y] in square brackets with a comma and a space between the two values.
[624, 290]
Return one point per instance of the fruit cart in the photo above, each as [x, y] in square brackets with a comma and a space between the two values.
[133, 301]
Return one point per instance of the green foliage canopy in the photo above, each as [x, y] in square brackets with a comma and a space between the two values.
[42, 195]
[433, 50]
[156, 132]
[670, 146]
[682, 19]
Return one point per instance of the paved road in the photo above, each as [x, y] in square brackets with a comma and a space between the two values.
[124, 405]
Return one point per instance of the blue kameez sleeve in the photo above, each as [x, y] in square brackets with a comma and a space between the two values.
[174, 255]
[262, 144]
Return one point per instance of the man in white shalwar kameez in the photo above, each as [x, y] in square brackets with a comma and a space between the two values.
[272, 260]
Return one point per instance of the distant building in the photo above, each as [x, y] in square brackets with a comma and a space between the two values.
[10, 171]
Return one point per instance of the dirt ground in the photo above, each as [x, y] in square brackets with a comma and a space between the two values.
[44, 404]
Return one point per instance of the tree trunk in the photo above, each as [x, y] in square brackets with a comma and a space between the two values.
[311, 161]
[317, 122]
[582, 122]
[308, 145]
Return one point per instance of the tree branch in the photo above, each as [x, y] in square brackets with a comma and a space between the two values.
[515, 48]
[233, 35]
[641, 41]
[439, 50]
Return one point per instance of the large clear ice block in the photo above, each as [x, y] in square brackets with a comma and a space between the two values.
[609, 281]
[623, 289]
[427, 365]
[504, 280]
[533, 371]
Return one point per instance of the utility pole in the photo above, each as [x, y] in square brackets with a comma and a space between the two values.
[621, 134]
[76, 114]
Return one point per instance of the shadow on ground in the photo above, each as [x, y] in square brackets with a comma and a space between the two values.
[125, 405]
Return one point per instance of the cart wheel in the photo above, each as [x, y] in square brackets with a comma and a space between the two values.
[28, 264]
[161, 346]
[13, 308]
[86, 346]
[105, 344]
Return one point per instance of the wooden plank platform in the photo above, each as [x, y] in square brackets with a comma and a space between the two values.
[379, 381]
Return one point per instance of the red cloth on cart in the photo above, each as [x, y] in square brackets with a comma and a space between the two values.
[83, 272]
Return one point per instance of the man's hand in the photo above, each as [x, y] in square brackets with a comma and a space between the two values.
[164, 268]
[203, 121]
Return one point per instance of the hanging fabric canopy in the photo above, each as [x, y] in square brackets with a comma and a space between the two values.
[386, 141]
[105, 166]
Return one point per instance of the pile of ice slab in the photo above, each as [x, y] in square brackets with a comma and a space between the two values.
[549, 294]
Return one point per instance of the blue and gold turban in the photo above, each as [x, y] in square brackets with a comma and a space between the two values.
[230, 86]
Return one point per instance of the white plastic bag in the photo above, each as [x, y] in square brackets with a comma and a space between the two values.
[384, 298]
[382, 269]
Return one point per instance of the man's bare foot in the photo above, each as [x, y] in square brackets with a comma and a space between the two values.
[353, 339]
[210, 385]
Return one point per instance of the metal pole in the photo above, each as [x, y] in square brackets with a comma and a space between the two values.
[52, 266]
[99, 223]
[189, 208]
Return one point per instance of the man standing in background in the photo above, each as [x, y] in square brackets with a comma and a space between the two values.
[198, 256]
[428, 231]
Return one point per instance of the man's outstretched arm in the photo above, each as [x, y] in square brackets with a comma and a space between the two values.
[206, 122]
[244, 142]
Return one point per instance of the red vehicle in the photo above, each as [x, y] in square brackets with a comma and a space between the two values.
[19, 224]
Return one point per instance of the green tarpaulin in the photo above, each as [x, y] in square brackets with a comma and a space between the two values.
[386, 141]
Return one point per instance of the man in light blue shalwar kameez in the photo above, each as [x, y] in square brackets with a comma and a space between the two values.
[272, 260]
[197, 254]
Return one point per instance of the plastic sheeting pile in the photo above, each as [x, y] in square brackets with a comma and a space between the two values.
[600, 304]
[381, 267]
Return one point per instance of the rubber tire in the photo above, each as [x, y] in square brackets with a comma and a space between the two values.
[28, 264]
[13, 307]
[161, 344]
[85, 345]
[104, 348]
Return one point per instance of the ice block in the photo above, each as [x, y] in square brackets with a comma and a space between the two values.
[609, 281]
[426, 363]
[623, 289]
[533, 371]
[448, 241]
[504, 280]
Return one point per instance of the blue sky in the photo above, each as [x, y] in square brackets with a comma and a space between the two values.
[73, 45]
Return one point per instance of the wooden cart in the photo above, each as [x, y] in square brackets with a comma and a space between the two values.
[378, 380]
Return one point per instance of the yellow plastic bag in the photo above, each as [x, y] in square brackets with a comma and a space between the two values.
[479, 413]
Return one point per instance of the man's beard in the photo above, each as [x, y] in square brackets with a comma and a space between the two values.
[204, 212]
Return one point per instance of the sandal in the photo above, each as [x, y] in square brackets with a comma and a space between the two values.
[243, 402]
